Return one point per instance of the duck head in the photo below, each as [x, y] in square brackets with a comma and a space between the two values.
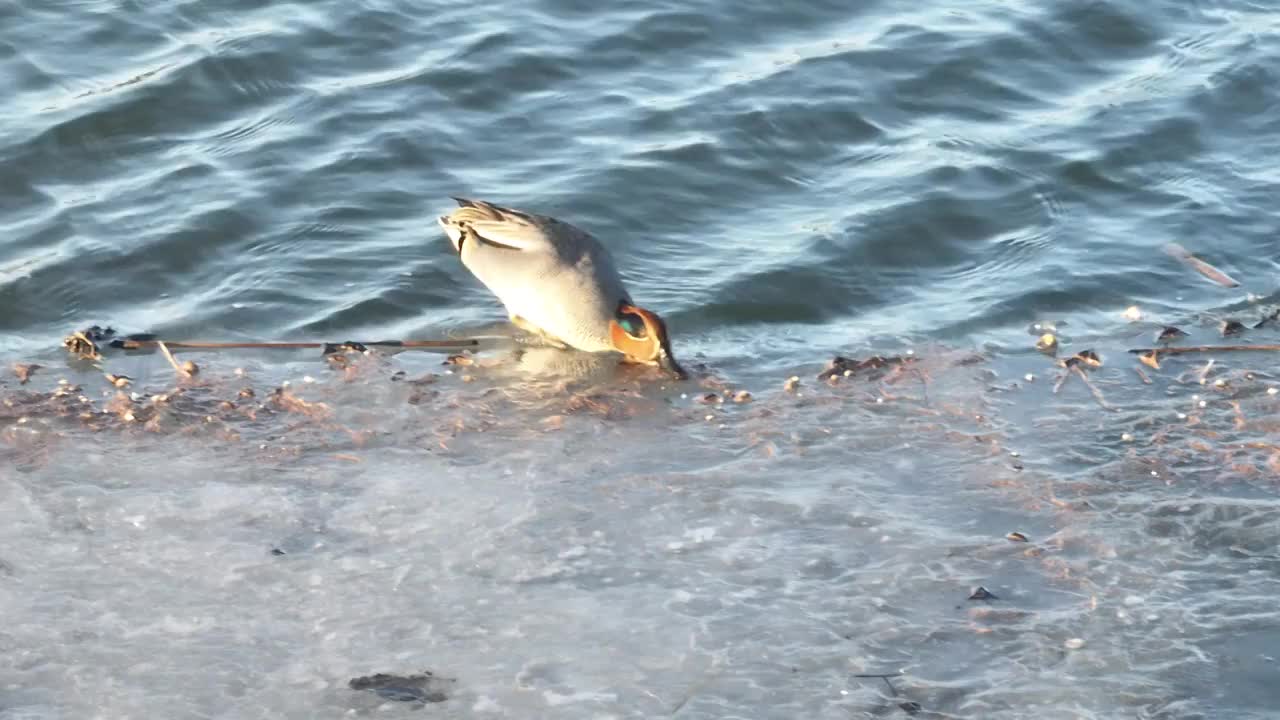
[641, 336]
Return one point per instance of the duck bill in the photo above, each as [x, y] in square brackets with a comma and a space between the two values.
[666, 358]
[655, 334]
[667, 362]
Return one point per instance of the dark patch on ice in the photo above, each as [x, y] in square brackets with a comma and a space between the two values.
[421, 688]
[981, 593]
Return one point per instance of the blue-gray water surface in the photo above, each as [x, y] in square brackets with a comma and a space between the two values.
[783, 182]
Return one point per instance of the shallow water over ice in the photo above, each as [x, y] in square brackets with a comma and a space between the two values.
[526, 544]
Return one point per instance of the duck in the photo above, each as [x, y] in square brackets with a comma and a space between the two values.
[557, 282]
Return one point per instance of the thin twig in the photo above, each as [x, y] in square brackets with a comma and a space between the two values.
[1206, 348]
[1062, 379]
[924, 386]
[169, 356]
[1204, 371]
[698, 686]
[137, 344]
[885, 677]
[1097, 394]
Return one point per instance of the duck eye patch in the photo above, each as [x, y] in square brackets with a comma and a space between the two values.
[633, 325]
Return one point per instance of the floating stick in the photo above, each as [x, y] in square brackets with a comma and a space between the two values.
[1200, 266]
[169, 356]
[132, 343]
[1206, 348]
[1097, 394]
[86, 343]
[882, 676]
[1204, 371]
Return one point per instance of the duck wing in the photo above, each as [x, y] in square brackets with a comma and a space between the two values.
[501, 228]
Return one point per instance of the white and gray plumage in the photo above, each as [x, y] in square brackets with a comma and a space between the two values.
[556, 280]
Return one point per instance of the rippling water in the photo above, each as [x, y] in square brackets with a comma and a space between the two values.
[783, 182]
